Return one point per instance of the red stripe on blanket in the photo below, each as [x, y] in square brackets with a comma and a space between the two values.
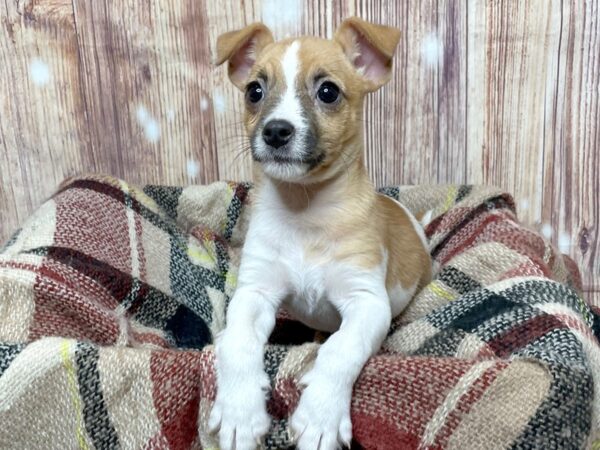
[284, 398]
[208, 375]
[573, 270]
[447, 221]
[414, 385]
[149, 338]
[466, 402]
[525, 333]
[519, 238]
[467, 238]
[433, 226]
[94, 223]
[139, 230]
[68, 305]
[375, 432]
[534, 267]
[19, 266]
[241, 191]
[79, 273]
[455, 224]
[176, 394]
[522, 241]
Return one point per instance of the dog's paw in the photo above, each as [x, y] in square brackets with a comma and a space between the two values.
[322, 418]
[239, 414]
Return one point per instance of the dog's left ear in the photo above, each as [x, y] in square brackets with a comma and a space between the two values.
[370, 48]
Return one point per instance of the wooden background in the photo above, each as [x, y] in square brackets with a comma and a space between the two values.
[498, 92]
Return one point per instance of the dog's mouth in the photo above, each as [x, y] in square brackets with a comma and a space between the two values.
[279, 155]
[311, 161]
[310, 158]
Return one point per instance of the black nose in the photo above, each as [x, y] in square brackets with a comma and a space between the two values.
[278, 133]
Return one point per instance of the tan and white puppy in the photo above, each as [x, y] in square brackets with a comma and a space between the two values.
[321, 242]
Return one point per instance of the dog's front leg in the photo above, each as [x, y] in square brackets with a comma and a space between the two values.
[239, 412]
[322, 418]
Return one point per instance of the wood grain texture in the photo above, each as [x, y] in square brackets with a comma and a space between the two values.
[495, 92]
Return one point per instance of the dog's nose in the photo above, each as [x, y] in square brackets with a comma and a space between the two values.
[278, 133]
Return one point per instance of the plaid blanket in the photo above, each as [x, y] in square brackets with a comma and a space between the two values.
[110, 297]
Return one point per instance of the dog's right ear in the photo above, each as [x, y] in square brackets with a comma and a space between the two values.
[241, 48]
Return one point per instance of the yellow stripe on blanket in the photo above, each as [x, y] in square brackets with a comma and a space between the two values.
[450, 198]
[201, 256]
[71, 375]
[231, 279]
[440, 291]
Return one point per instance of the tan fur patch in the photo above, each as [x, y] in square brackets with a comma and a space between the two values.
[408, 260]
[348, 220]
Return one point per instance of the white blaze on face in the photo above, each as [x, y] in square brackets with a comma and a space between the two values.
[289, 109]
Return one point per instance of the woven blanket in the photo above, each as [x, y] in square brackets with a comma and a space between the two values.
[111, 295]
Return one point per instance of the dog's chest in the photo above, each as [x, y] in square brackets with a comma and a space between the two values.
[311, 285]
[302, 262]
[307, 276]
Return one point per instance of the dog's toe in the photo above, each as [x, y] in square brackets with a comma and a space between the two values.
[214, 420]
[260, 425]
[322, 419]
[329, 441]
[239, 416]
[315, 438]
[310, 439]
[244, 439]
[345, 431]
[226, 436]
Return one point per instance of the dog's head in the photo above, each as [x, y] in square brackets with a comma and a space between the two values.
[304, 96]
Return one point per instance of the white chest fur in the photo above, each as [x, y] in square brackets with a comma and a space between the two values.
[313, 286]
[275, 253]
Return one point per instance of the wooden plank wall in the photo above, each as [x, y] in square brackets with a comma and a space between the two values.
[501, 92]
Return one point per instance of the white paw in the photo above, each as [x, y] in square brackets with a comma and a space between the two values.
[239, 413]
[322, 419]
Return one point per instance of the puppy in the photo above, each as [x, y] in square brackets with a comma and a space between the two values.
[321, 242]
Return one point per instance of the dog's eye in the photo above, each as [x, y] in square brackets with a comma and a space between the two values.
[328, 92]
[254, 92]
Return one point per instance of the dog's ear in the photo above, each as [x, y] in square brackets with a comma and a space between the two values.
[241, 48]
[370, 48]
